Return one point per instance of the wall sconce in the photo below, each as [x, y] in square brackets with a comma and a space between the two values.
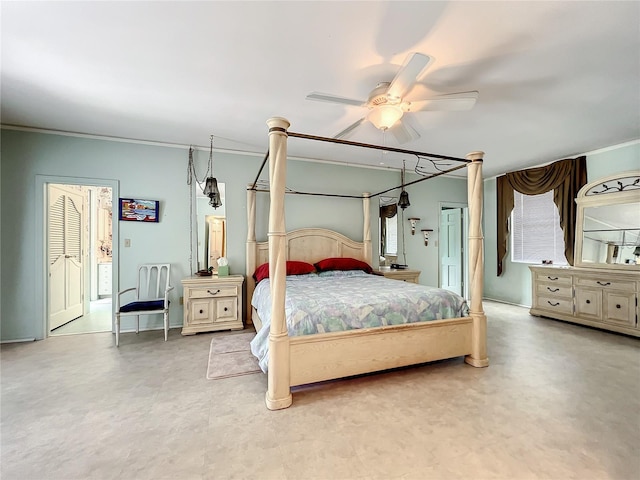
[413, 221]
[425, 233]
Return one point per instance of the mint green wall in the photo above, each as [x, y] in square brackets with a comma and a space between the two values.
[157, 172]
[425, 201]
[514, 285]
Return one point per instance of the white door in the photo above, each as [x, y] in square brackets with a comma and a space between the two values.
[451, 249]
[65, 246]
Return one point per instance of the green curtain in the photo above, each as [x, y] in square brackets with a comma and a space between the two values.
[565, 177]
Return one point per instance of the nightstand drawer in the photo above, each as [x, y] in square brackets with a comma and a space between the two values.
[226, 309]
[213, 291]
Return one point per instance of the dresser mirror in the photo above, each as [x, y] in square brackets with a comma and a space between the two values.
[211, 228]
[608, 223]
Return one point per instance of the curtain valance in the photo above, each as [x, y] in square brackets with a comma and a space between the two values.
[564, 177]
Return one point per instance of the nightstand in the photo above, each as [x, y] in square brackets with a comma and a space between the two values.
[406, 275]
[212, 303]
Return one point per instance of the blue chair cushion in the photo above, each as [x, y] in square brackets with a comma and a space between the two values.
[143, 306]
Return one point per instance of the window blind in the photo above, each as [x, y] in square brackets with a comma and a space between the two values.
[535, 230]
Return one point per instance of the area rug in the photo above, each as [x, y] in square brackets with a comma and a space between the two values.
[230, 356]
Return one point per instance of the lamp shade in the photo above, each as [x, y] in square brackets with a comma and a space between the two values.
[211, 191]
[385, 116]
[403, 202]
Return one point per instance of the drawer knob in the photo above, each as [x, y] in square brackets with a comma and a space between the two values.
[553, 304]
[201, 311]
[618, 305]
[213, 293]
[552, 278]
[603, 284]
[588, 301]
[554, 290]
[225, 308]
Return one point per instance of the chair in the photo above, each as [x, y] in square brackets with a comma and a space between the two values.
[152, 296]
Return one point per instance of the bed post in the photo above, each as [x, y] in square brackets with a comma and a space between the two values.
[251, 248]
[366, 234]
[478, 357]
[279, 391]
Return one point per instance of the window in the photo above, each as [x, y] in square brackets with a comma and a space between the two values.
[535, 230]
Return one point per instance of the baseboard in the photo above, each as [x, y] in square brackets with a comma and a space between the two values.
[19, 340]
[148, 329]
[505, 302]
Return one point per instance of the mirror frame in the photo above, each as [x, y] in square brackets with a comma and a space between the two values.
[592, 195]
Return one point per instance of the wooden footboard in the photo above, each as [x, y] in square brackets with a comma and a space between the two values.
[327, 356]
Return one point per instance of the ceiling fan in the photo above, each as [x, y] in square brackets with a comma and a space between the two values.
[389, 101]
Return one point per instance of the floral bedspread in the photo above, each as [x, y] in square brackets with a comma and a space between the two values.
[346, 300]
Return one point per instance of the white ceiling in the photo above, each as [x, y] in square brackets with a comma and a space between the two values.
[554, 78]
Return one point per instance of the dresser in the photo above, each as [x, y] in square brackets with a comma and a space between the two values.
[104, 279]
[212, 303]
[406, 275]
[597, 297]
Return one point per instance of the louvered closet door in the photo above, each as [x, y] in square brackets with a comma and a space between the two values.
[66, 220]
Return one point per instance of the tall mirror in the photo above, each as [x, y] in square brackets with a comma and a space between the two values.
[211, 227]
[608, 223]
[388, 231]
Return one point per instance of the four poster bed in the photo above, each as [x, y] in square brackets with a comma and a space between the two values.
[309, 358]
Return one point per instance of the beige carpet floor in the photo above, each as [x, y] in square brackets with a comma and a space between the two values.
[230, 356]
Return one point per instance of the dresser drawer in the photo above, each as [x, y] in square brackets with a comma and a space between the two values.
[555, 290]
[213, 291]
[620, 308]
[553, 278]
[589, 302]
[562, 305]
[596, 282]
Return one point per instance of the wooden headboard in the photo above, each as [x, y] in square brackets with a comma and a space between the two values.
[305, 244]
[314, 244]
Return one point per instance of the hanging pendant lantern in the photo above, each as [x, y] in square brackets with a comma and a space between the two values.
[403, 201]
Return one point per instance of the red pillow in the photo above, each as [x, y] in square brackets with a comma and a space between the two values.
[293, 268]
[342, 264]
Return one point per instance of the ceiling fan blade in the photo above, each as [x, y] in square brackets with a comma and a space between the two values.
[349, 129]
[407, 75]
[404, 132]
[451, 103]
[327, 97]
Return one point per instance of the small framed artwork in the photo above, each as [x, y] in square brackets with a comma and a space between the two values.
[135, 210]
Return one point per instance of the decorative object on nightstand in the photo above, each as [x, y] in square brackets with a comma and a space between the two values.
[212, 303]
[425, 233]
[405, 274]
[223, 267]
[413, 221]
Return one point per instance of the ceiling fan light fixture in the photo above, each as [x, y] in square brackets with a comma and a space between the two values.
[385, 116]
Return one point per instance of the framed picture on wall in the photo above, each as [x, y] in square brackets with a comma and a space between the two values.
[135, 210]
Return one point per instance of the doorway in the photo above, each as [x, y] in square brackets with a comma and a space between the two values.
[454, 263]
[77, 256]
